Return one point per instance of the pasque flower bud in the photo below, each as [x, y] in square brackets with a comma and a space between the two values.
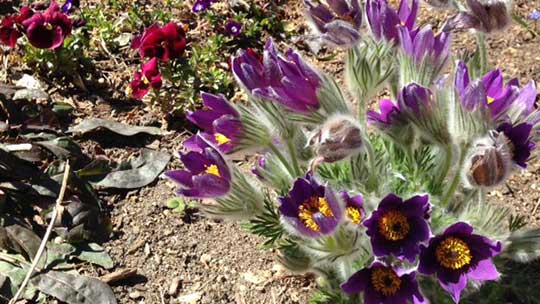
[484, 15]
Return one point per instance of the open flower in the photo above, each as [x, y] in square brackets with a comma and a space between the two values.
[234, 28]
[521, 144]
[457, 255]
[422, 45]
[354, 207]
[397, 227]
[338, 21]
[483, 15]
[47, 30]
[391, 122]
[382, 284]
[201, 6]
[207, 175]
[310, 209]
[219, 121]
[168, 42]
[69, 5]
[288, 79]
[384, 20]
[148, 77]
[11, 28]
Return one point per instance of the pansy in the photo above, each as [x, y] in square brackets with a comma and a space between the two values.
[457, 255]
[219, 121]
[384, 20]
[48, 29]
[11, 28]
[338, 21]
[354, 207]
[422, 44]
[383, 284]
[69, 5]
[397, 227]
[206, 174]
[310, 209]
[287, 79]
[167, 42]
[148, 77]
[483, 15]
[234, 28]
[201, 6]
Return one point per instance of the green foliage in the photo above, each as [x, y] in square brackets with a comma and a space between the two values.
[179, 205]
[325, 296]
[267, 224]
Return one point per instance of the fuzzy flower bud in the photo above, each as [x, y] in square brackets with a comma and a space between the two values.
[484, 15]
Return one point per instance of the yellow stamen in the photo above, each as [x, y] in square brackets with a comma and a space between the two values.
[312, 206]
[354, 214]
[385, 280]
[490, 100]
[145, 80]
[221, 139]
[212, 169]
[453, 253]
[393, 226]
[48, 26]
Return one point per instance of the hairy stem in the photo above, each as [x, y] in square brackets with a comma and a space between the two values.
[281, 158]
[292, 152]
[482, 48]
[456, 180]
[443, 173]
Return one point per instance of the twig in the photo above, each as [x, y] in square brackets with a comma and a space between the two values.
[57, 209]
[118, 275]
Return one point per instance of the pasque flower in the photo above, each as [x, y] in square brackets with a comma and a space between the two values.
[384, 20]
[48, 29]
[219, 121]
[354, 207]
[520, 139]
[148, 77]
[457, 255]
[422, 45]
[338, 21]
[397, 227]
[207, 175]
[383, 284]
[164, 43]
[391, 121]
[11, 28]
[310, 209]
[483, 15]
[288, 79]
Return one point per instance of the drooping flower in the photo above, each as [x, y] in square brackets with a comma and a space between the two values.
[391, 122]
[148, 77]
[207, 175]
[397, 227]
[288, 79]
[234, 28]
[219, 121]
[423, 45]
[383, 284]
[48, 29]
[11, 28]
[457, 255]
[201, 6]
[164, 43]
[483, 15]
[384, 20]
[354, 207]
[310, 209]
[521, 144]
[337, 21]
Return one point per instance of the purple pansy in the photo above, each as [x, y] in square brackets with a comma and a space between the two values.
[398, 227]
[201, 6]
[219, 121]
[70, 5]
[48, 29]
[206, 174]
[384, 20]
[234, 28]
[457, 255]
[288, 79]
[338, 21]
[382, 284]
[354, 207]
[148, 77]
[311, 209]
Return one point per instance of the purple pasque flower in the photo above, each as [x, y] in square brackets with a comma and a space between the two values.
[148, 77]
[234, 28]
[415, 99]
[422, 44]
[354, 207]
[383, 284]
[521, 143]
[398, 227]
[310, 209]
[48, 29]
[201, 6]
[457, 255]
[338, 21]
[485, 16]
[206, 174]
[219, 121]
[384, 20]
[387, 116]
[256, 169]
[287, 79]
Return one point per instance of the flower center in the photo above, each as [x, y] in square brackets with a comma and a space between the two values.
[310, 207]
[212, 169]
[354, 214]
[453, 253]
[48, 26]
[490, 100]
[393, 225]
[145, 80]
[385, 280]
[221, 139]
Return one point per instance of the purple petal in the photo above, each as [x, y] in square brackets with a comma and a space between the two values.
[484, 271]
[455, 289]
